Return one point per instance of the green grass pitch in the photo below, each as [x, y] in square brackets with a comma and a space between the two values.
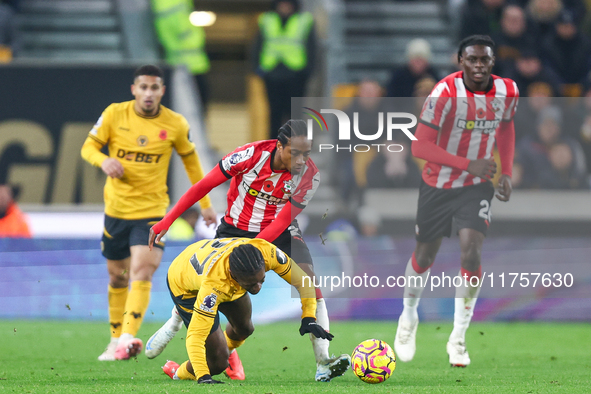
[60, 357]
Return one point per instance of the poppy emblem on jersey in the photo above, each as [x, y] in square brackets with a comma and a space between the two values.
[268, 186]
[163, 134]
[142, 140]
[288, 186]
[209, 302]
[480, 113]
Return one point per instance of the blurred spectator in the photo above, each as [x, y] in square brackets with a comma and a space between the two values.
[583, 125]
[369, 220]
[9, 35]
[183, 42]
[393, 169]
[284, 54]
[183, 229]
[13, 222]
[543, 13]
[403, 80]
[531, 75]
[539, 98]
[550, 160]
[514, 37]
[481, 17]
[568, 52]
[351, 174]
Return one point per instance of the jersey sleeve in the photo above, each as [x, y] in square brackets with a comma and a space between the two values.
[97, 138]
[511, 102]
[306, 189]
[436, 106]
[101, 131]
[182, 142]
[288, 270]
[240, 160]
[204, 312]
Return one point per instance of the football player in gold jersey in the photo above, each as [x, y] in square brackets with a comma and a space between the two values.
[217, 275]
[140, 135]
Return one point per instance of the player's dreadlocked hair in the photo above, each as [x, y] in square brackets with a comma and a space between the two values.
[150, 70]
[475, 40]
[292, 128]
[246, 259]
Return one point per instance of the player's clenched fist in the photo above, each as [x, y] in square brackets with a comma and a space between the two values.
[112, 167]
[483, 168]
[309, 325]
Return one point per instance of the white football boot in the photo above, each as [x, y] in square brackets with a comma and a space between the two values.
[405, 343]
[458, 355]
[109, 353]
[332, 368]
[164, 335]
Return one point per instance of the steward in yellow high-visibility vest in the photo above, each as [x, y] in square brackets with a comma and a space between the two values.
[283, 56]
[183, 43]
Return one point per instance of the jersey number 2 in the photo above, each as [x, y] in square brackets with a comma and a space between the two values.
[485, 210]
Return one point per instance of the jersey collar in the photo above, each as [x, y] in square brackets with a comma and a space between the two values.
[488, 87]
[148, 116]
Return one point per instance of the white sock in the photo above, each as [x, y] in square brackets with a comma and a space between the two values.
[413, 290]
[124, 338]
[114, 340]
[466, 297]
[175, 322]
[320, 345]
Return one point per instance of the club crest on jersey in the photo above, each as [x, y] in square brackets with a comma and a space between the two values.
[496, 105]
[142, 140]
[209, 302]
[237, 157]
[288, 186]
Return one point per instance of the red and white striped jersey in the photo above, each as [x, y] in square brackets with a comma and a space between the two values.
[467, 123]
[257, 193]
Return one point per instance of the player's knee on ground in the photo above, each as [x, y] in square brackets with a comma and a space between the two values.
[217, 361]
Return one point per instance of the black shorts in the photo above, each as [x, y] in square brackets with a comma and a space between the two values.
[465, 207]
[120, 234]
[184, 307]
[290, 241]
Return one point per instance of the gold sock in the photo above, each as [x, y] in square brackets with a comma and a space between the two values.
[232, 344]
[136, 306]
[117, 298]
[183, 374]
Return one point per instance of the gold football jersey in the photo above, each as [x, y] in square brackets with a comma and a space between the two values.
[202, 271]
[143, 144]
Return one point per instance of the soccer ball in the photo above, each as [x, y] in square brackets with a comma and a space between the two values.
[373, 361]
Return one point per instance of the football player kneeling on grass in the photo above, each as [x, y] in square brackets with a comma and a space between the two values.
[217, 275]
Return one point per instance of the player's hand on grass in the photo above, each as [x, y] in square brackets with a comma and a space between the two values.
[483, 168]
[155, 237]
[207, 379]
[209, 216]
[112, 167]
[504, 188]
[309, 325]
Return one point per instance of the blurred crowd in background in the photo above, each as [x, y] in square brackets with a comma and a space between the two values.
[543, 45]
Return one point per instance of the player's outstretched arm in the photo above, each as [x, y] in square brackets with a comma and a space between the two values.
[195, 193]
[309, 325]
[506, 145]
[281, 222]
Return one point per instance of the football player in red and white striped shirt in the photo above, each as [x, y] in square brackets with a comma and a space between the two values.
[272, 182]
[465, 114]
